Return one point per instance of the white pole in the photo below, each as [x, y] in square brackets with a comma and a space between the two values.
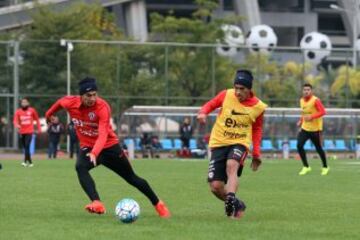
[68, 60]
[354, 36]
[16, 88]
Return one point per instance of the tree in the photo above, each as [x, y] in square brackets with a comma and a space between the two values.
[192, 72]
[44, 69]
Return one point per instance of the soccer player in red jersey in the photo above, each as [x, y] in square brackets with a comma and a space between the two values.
[99, 145]
[24, 118]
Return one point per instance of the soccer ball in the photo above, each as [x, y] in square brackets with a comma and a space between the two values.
[225, 49]
[127, 210]
[316, 47]
[233, 35]
[261, 38]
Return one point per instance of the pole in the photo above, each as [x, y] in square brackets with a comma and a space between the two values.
[166, 75]
[16, 88]
[213, 83]
[68, 91]
[355, 13]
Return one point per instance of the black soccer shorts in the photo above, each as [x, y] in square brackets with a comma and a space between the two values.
[219, 157]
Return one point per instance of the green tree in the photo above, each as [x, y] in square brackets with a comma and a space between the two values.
[44, 69]
[192, 72]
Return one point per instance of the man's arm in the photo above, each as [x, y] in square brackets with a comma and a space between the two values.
[211, 105]
[16, 120]
[103, 130]
[256, 139]
[320, 108]
[36, 118]
[54, 108]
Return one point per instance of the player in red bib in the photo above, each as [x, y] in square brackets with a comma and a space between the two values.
[99, 145]
[24, 118]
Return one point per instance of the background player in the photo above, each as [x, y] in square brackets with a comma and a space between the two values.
[311, 123]
[99, 145]
[238, 124]
[24, 118]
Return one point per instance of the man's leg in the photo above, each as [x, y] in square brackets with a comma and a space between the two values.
[218, 189]
[56, 146]
[27, 143]
[115, 159]
[301, 139]
[22, 138]
[72, 143]
[316, 139]
[83, 166]
[234, 166]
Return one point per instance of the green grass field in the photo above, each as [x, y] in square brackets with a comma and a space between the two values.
[46, 202]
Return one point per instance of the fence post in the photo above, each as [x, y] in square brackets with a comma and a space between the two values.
[16, 47]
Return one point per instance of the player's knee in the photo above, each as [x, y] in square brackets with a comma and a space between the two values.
[216, 187]
[300, 146]
[135, 180]
[232, 167]
[80, 167]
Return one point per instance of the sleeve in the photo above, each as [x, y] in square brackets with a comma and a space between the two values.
[103, 130]
[257, 135]
[36, 118]
[55, 107]
[16, 119]
[320, 108]
[214, 103]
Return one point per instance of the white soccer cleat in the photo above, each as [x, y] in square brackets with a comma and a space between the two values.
[24, 164]
[30, 165]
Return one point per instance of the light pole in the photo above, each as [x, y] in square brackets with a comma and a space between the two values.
[354, 14]
[69, 49]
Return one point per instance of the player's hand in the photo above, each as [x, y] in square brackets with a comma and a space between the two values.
[201, 117]
[299, 123]
[255, 164]
[92, 158]
[307, 118]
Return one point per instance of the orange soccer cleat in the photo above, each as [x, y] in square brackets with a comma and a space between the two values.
[96, 207]
[162, 210]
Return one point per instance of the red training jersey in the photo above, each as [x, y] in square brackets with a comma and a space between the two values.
[92, 124]
[217, 102]
[24, 120]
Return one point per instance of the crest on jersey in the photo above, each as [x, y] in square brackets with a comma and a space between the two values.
[91, 115]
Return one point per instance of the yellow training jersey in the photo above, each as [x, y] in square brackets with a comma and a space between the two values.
[234, 123]
[308, 108]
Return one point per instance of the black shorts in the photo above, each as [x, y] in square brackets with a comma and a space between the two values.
[219, 157]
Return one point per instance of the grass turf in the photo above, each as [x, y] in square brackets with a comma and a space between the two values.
[46, 202]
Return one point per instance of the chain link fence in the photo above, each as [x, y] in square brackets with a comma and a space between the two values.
[167, 74]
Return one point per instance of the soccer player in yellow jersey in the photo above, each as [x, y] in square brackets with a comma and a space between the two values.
[237, 126]
[311, 123]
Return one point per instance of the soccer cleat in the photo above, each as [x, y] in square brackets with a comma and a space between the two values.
[30, 165]
[239, 209]
[24, 164]
[96, 207]
[325, 171]
[305, 170]
[230, 205]
[162, 210]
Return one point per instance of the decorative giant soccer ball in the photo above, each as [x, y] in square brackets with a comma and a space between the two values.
[261, 38]
[316, 47]
[225, 49]
[233, 35]
[127, 210]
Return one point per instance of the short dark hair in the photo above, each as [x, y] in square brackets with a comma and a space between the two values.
[308, 85]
